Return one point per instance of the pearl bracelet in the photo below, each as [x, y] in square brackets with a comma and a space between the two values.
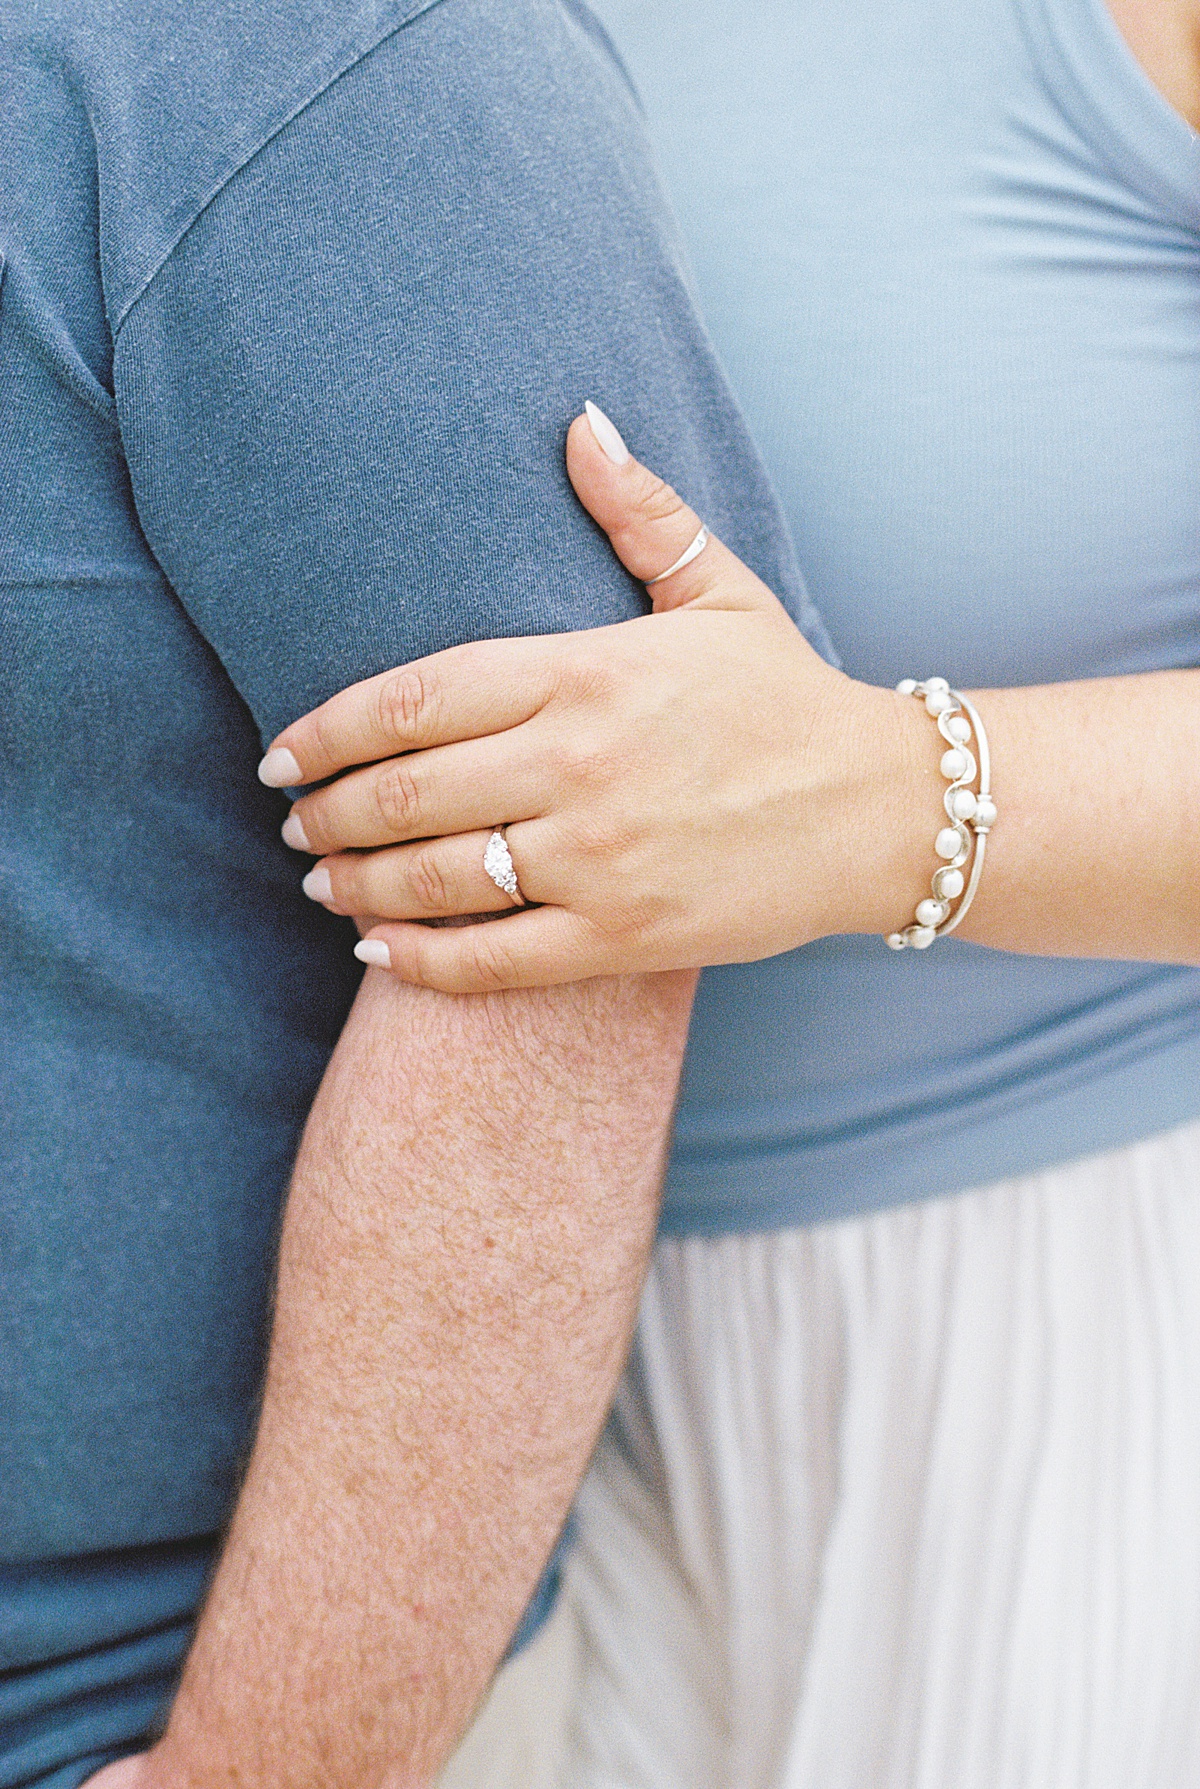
[971, 814]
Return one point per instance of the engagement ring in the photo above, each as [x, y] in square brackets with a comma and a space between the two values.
[497, 861]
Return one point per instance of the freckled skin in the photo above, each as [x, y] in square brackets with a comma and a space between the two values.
[440, 1431]
[464, 1242]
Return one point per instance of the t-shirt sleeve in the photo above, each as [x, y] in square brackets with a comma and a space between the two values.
[344, 396]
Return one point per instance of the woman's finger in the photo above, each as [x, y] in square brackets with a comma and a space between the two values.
[462, 693]
[487, 686]
[537, 949]
[436, 879]
[650, 527]
[449, 789]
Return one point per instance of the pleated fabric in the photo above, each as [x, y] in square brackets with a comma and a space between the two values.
[909, 1501]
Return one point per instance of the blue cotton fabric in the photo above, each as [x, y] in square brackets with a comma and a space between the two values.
[297, 302]
[950, 258]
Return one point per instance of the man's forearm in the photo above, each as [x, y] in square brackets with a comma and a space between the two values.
[462, 1251]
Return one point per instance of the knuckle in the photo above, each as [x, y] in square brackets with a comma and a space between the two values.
[656, 501]
[322, 744]
[370, 884]
[591, 769]
[404, 701]
[323, 830]
[587, 762]
[490, 960]
[593, 678]
[397, 798]
[588, 840]
[428, 883]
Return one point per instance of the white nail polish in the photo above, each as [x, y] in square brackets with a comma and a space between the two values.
[607, 436]
[279, 770]
[294, 833]
[317, 885]
[373, 951]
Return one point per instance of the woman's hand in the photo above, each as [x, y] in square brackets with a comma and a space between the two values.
[693, 787]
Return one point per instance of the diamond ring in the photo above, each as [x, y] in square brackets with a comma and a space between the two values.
[497, 861]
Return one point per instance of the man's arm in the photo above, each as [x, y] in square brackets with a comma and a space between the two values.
[462, 1250]
[343, 398]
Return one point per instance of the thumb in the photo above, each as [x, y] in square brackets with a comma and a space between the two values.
[650, 527]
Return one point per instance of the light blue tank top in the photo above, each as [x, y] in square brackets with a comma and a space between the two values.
[950, 256]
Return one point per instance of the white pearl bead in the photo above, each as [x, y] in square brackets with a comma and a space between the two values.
[896, 941]
[921, 937]
[985, 811]
[949, 884]
[964, 804]
[948, 842]
[931, 913]
[937, 702]
[906, 687]
[936, 683]
[954, 764]
[959, 728]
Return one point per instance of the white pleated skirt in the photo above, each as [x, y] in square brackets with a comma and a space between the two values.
[910, 1501]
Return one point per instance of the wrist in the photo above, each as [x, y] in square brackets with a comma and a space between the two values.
[890, 807]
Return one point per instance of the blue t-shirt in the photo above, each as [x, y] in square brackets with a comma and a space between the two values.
[950, 258]
[298, 300]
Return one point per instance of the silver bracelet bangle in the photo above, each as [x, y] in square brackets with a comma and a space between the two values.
[971, 814]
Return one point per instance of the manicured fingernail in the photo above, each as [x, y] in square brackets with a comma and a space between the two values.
[317, 885]
[294, 833]
[279, 770]
[607, 435]
[373, 951]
